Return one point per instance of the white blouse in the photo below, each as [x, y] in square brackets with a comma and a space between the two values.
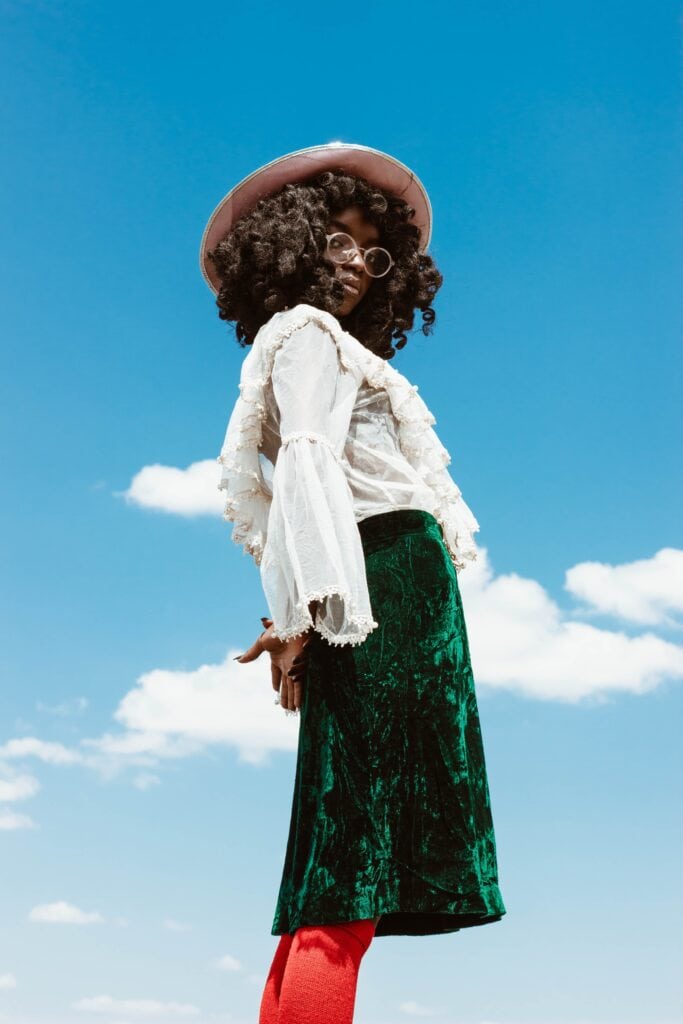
[325, 433]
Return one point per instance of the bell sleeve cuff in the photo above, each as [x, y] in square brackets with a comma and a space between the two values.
[314, 551]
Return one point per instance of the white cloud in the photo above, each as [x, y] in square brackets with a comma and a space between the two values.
[176, 926]
[522, 641]
[186, 492]
[17, 787]
[648, 591]
[30, 746]
[414, 1009]
[73, 707]
[63, 913]
[140, 1007]
[228, 963]
[145, 780]
[11, 822]
[7, 981]
[173, 713]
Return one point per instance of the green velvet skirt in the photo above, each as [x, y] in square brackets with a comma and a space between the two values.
[391, 812]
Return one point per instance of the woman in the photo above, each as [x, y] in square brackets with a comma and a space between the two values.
[337, 485]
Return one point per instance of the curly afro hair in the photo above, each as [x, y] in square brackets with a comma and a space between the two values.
[273, 258]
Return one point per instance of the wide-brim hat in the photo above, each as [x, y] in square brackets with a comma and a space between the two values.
[380, 169]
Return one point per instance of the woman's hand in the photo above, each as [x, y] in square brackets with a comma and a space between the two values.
[287, 663]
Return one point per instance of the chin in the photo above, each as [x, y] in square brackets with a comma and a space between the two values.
[348, 307]
[343, 310]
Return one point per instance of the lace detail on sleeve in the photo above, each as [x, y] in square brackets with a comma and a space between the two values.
[310, 435]
[312, 550]
[247, 497]
[360, 626]
[247, 500]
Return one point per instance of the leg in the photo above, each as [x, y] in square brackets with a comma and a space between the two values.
[270, 1000]
[321, 974]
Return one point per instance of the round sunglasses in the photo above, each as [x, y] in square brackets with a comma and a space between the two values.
[341, 248]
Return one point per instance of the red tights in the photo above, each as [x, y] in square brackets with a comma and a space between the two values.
[314, 974]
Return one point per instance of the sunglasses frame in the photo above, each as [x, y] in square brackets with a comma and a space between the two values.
[362, 251]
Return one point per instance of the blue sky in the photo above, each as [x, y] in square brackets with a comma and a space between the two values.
[145, 780]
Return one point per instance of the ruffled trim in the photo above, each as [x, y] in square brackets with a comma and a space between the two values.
[311, 435]
[428, 456]
[293, 320]
[248, 498]
[303, 621]
[418, 441]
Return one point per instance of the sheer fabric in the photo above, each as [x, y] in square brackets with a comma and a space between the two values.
[313, 549]
[323, 435]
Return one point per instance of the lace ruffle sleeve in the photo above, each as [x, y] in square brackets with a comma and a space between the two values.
[313, 549]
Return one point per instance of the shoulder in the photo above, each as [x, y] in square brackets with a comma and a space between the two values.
[301, 326]
[282, 325]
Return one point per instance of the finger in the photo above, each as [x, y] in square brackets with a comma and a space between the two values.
[304, 650]
[293, 693]
[284, 691]
[254, 651]
[299, 667]
[288, 694]
[275, 675]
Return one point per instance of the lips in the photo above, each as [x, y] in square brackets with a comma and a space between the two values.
[351, 284]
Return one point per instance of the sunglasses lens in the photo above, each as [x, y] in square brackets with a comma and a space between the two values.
[340, 247]
[377, 261]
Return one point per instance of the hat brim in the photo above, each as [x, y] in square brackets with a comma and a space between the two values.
[378, 168]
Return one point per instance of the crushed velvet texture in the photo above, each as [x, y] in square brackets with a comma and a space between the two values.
[391, 812]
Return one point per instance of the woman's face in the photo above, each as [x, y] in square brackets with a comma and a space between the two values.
[353, 274]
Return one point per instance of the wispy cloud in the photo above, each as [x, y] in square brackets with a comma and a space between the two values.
[228, 963]
[176, 926]
[63, 913]
[146, 780]
[138, 1007]
[42, 750]
[10, 821]
[413, 1009]
[16, 787]
[73, 707]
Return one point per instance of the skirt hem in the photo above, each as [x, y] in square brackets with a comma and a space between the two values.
[396, 920]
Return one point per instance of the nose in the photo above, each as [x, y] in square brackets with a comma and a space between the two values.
[356, 262]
